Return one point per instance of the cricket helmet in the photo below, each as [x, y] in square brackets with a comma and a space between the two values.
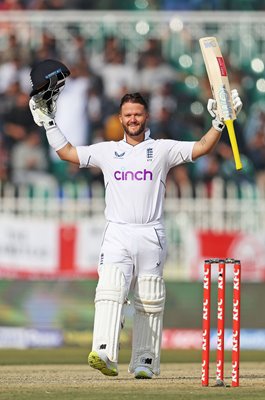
[47, 78]
[48, 74]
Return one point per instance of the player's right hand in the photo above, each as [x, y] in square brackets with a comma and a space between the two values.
[41, 116]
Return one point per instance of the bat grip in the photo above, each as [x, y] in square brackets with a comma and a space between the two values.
[232, 136]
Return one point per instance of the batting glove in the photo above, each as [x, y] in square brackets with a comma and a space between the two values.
[212, 108]
[237, 103]
[41, 116]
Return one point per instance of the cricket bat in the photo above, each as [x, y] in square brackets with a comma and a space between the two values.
[218, 78]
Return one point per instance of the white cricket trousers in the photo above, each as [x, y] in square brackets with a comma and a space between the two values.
[136, 249]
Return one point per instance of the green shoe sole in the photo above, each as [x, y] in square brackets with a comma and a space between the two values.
[96, 362]
[142, 375]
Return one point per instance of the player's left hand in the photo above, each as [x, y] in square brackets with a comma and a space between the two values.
[212, 108]
[237, 103]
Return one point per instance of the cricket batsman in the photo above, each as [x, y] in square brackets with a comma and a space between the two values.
[133, 249]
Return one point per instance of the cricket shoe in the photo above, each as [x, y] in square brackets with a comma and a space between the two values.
[143, 373]
[99, 360]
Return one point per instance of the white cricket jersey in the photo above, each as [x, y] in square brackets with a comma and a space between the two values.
[135, 176]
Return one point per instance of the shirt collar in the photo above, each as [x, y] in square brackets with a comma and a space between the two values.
[146, 135]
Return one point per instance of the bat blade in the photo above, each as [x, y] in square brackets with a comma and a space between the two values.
[220, 87]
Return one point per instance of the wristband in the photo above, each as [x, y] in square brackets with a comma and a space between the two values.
[49, 124]
[55, 137]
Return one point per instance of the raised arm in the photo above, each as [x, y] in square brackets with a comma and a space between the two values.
[56, 138]
[206, 144]
[68, 153]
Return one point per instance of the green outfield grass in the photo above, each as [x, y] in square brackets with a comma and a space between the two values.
[78, 355]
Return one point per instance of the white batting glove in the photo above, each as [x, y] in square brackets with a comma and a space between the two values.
[41, 116]
[237, 103]
[212, 108]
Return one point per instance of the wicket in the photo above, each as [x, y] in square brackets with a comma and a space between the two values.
[206, 326]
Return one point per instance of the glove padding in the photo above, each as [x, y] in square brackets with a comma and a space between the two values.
[41, 115]
[212, 108]
[237, 103]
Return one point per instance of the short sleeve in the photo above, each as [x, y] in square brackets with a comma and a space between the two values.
[91, 156]
[179, 152]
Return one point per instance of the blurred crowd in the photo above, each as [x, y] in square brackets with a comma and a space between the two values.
[87, 112]
[132, 4]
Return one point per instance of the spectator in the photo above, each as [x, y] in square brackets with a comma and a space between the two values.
[8, 5]
[8, 99]
[116, 74]
[14, 70]
[17, 122]
[4, 161]
[155, 72]
[29, 162]
[163, 105]
[257, 154]
[73, 98]
[47, 49]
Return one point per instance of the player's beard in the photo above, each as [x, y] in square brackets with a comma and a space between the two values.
[135, 133]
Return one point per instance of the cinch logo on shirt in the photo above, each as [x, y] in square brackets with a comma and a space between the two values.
[144, 175]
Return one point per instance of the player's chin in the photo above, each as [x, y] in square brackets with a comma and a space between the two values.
[135, 131]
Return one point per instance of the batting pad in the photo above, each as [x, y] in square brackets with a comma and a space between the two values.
[109, 300]
[149, 301]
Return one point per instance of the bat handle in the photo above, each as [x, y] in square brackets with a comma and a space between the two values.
[232, 136]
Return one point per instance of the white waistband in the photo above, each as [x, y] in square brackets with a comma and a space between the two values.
[155, 224]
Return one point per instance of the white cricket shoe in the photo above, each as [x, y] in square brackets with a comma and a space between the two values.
[99, 360]
[143, 373]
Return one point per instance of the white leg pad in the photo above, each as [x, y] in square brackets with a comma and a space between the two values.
[149, 302]
[109, 300]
